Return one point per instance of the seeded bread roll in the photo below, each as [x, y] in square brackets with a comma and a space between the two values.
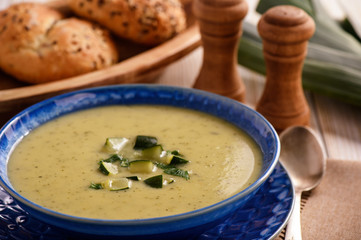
[38, 45]
[147, 22]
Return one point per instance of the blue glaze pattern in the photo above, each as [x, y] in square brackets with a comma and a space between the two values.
[234, 112]
[263, 217]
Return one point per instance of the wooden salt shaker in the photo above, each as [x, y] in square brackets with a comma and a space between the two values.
[220, 27]
[285, 31]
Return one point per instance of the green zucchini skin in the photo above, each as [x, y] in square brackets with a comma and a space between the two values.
[155, 181]
[143, 142]
[134, 178]
[178, 160]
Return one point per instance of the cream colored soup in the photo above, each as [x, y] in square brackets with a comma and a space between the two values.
[54, 165]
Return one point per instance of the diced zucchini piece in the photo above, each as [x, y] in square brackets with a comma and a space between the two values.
[152, 153]
[142, 142]
[141, 166]
[96, 186]
[113, 158]
[134, 178]
[170, 158]
[115, 144]
[155, 181]
[108, 168]
[117, 184]
[166, 157]
[178, 160]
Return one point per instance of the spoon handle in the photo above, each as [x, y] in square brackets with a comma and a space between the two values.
[293, 230]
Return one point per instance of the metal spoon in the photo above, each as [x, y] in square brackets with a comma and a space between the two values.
[303, 156]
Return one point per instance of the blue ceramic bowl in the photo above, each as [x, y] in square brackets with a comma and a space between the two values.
[179, 226]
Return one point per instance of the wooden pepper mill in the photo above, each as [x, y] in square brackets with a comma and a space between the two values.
[285, 31]
[220, 27]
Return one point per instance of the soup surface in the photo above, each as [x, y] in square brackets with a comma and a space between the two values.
[54, 164]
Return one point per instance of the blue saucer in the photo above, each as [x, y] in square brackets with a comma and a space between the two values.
[263, 217]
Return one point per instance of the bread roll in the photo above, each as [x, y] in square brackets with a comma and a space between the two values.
[38, 45]
[147, 22]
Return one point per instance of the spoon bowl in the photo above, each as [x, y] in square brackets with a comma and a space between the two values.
[303, 156]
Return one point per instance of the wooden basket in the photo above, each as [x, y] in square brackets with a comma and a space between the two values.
[138, 64]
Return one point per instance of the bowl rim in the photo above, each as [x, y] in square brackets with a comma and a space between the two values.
[146, 221]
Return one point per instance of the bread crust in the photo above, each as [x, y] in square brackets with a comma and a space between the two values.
[147, 22]
[39, 45]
